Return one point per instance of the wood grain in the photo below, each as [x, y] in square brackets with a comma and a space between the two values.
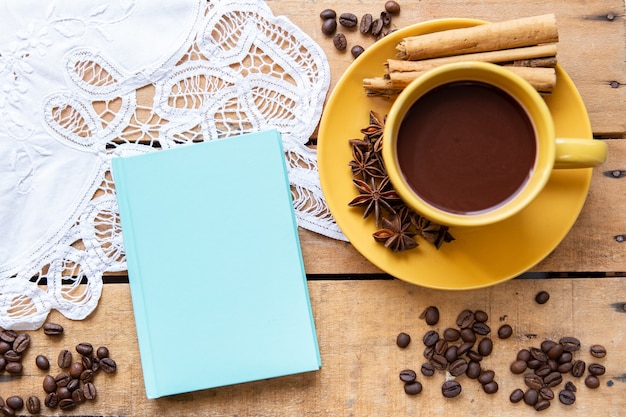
[357, 323]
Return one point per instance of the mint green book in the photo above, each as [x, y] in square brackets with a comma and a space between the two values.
[217, 281]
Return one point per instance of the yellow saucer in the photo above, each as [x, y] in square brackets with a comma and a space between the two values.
[480, 256]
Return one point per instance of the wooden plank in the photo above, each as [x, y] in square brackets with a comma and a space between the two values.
[591, 46]
[357, 323]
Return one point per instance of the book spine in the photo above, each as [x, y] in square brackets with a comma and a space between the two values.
[135, 278]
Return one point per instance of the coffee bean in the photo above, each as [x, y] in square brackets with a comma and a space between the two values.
[51, 400]
[65, 359]
[533, 381]
[14, 368]
[538, 354]
[565, 367]
[89, 390]
[473, 370]
[73, 385]
[428, 369]
[546, 345]
[377, 27]
[33, 404]
[78, 396]
[543, 370]
[570, 386]
[403, 340]
[542, 404]
[458, 367]
[481, 316]
[356, 51]
[468, 335]
[531, 397]
[102, 352]
[95, 364]
[475, 356]
[348, 20]
[505, 331]
[67, 404]
[565, 357]
[429, 351]
[84, 348]
[578, 368]
[491, 387]
[86, 376]
[52, 329]
[534, 363]
[392, 7]
[555, 351]
[553, 379]
[451, 354]
[21, 343]
[597, 351]
[465, 319]
[386, 18]
[76, 369]
[596, 369]
[328, 14]
[15, 402]
[542, 297]
[108, 365]
[451, 335]
[62, 379]
[63, 393]
[12, 356]
[450, 389]
[441, 347]
[567, 397]
[366, 23]
[485, 346]
[523, 355]
[329, 26]
[486, 377]
[408, 375]
[8, 336]
[546, 393]
[7, 411]
[439, 362]
[516, 396]
[49, 384]
[42, 362]
[413, 388]
[464, 348]
[5, 347]
[430, 338]
[431, 315]
[570, 344]
[592, 381]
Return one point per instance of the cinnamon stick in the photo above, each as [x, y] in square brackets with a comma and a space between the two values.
[519, 55]
[542, 79]
[515, 33]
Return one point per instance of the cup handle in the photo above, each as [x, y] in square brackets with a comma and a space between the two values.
[579, 153]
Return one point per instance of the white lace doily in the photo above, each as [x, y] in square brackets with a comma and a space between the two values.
[82, 82]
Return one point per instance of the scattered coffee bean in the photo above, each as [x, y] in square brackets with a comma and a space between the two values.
[491, 387]
[76, 369]
[518, 367]
[67, 404]
[366, 23]
[3, 363]
[328, 14]
[413, 388]
[377, 27]
[49, 384]
[8, 336]
[531, 396]
[329, 26]
[473, 370]
[430, 315]
[542, 297]
[553, 379]
[84, 348]
[392, 7]
[356, 51]
[481, 316]
[596, 369]
[51, 400]
[465, 319]
[516, 396]
[33, 404]
[430, 338]
[592, 381]
[65, 359]
[468, 335]
[78, 396]
[73, 385]
[63, 393]
[464, 348]
[486, 377]
[340, 41]
[597, 351]
[52, 329]
[15, 402]
[102, 352]
[523, 355]
[534, 382]
[348, 20]
[386, 18]
[505, 331]
[546, 345]
[485, 346]
[403, 340]
[5, 347]
[89, 390]
[570, 386]
[578, 368]
[542, 404]
[458, 367]
[567, 397]
[451, 353]
[475, 356]
[451, 335]
[42, 362]
[408, 375]
[21, 343]
[439, 362]
[427, 369]
[62, 379]
[546, 393]
[12, 356]
[14, 368]
[570, 344]
[450, 389]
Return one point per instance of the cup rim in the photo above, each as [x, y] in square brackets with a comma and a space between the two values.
[504, 79]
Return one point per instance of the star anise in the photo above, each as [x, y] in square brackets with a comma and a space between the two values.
[376, 126]
[365, 144]
[432, 232]
[364, 165]
[395, 234]
[375, 197]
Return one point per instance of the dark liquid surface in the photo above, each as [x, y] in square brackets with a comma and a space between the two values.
[466, 147]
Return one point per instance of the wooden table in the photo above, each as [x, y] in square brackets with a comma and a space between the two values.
[359, 310]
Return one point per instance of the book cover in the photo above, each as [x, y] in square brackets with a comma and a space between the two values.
[215, 268]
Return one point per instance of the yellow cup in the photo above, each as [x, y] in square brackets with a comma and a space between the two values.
[404, 149]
